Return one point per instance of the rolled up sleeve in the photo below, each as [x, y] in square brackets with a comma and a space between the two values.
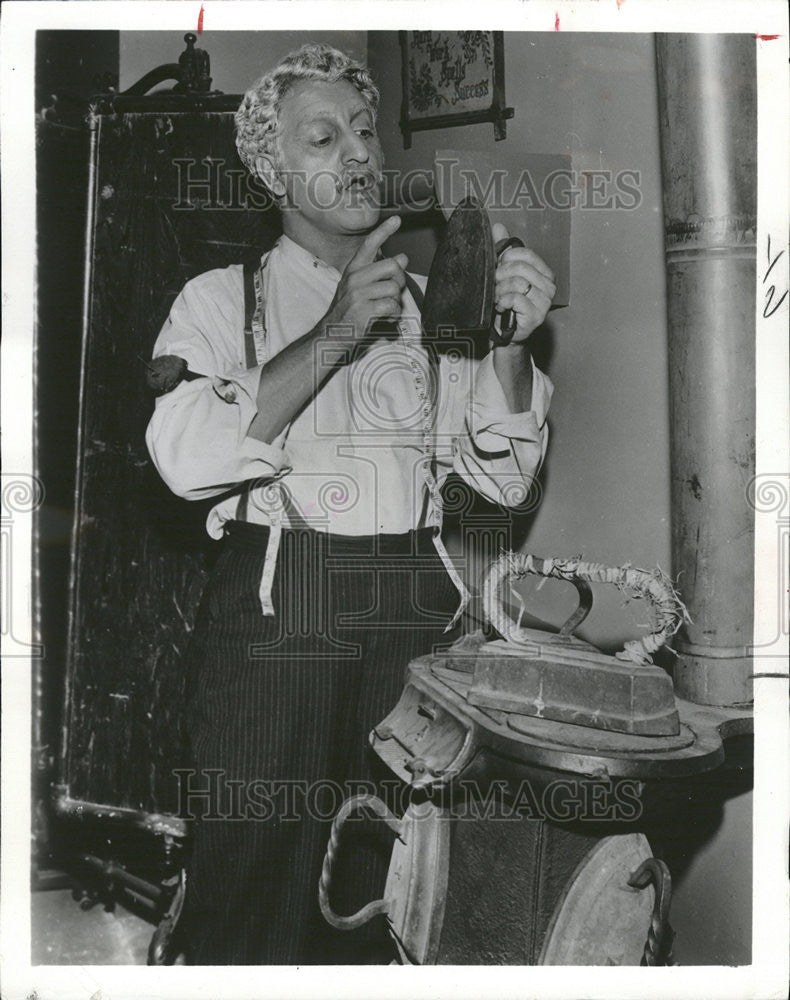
[198, 441]
[500, 452]
[197, 436]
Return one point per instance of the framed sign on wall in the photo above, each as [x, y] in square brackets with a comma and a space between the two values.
[452, 78]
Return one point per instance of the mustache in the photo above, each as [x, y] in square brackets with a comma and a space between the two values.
[361, 180]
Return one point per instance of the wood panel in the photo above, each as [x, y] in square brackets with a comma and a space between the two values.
[141, 554]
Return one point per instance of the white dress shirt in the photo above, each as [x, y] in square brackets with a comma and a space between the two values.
[351, 461]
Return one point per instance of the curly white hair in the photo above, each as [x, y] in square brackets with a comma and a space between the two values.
[256, 119]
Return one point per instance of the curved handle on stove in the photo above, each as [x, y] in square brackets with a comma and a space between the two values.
[370, 910]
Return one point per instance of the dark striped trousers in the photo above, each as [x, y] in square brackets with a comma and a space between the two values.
[278, 716]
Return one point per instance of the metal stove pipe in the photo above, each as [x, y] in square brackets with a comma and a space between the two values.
[708, 123]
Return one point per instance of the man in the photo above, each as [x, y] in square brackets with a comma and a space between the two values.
[325, 446]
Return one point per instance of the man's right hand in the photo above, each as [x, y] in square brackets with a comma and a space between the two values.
[369, 289]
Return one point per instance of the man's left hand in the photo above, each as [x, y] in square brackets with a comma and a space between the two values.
[525, 284]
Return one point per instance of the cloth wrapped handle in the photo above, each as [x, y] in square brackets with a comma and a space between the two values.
[665, 604]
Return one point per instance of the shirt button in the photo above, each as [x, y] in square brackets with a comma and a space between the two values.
[230, 395]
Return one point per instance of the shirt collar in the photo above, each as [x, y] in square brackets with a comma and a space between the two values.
[295, 252]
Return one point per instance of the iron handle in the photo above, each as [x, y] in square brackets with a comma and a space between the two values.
[658, 947]
[507, 324]
[372, 909]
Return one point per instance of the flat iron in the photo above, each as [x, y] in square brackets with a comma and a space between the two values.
[459, 296]
[548, 699]
[535, 673]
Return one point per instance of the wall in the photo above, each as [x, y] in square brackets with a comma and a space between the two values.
[712, 898]
[606, 481]
[237, 57]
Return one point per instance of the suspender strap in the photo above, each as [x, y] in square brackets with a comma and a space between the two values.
[250, 267]
[431, 513]
[243, 504]
[416, 291]
[254, 306]
[250, 357]
[432, 510]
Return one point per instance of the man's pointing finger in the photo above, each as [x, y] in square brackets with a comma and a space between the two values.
[373, 242]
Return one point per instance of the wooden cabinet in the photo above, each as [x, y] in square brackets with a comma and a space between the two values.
[154, 197]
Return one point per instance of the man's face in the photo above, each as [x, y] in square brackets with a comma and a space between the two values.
[328, 157]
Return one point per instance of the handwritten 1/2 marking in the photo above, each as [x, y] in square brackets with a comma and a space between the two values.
[762, 38]
[556, 21]
[771, 290]
[200, 20]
